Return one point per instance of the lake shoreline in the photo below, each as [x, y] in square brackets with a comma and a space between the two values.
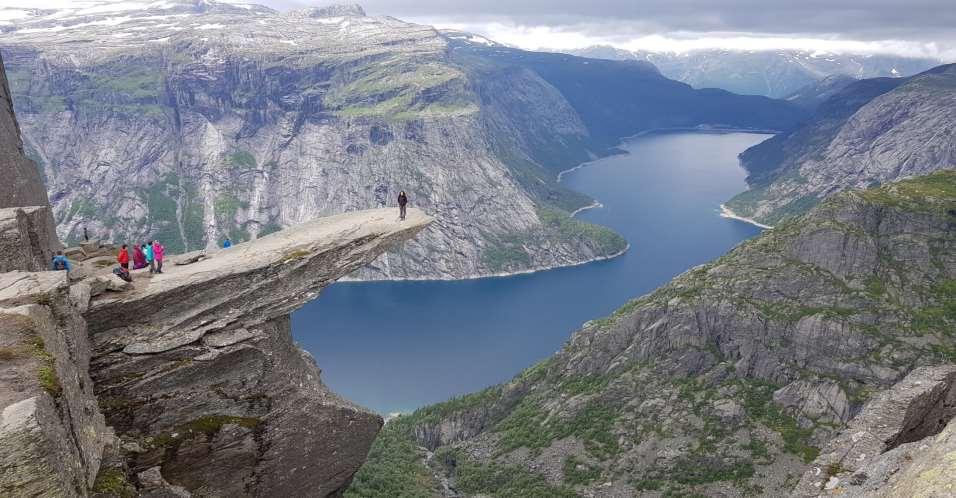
[726, 212]
[594, 205]
[696, 129]
[528, 271]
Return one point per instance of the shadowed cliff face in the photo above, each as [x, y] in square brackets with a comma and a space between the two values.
[27, 238]
[196, 371]
[726, 381]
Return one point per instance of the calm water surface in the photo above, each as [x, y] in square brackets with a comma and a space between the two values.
[394, 346]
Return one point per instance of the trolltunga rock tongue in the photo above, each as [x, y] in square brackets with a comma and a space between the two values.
[196, 370]
[249, 283]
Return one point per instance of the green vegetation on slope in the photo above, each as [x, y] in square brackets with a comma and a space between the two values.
[898, 310]
[933, 193]
[510, 253]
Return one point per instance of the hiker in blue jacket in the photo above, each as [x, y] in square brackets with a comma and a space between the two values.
[148, 251]
[227, 243]
[60, 263]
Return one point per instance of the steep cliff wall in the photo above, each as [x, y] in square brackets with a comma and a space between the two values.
[726, 381]
[21, 186]
[195, 368]
[191, 122]
[51, 432]
[196, 371]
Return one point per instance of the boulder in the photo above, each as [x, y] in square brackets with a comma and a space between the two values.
[889, 438]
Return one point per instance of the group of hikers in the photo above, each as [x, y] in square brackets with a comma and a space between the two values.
[150, 254]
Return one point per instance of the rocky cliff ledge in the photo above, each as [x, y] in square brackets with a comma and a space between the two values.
[194, 369]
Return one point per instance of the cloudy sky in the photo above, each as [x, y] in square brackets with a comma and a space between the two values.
[905, 27]
[913, 27]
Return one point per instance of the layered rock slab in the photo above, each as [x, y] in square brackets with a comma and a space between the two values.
[51, 432]
[891, 448]
[197, 372]
[27, 238]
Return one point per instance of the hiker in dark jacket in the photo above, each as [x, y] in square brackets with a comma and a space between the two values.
[402, 201]
[139, 257]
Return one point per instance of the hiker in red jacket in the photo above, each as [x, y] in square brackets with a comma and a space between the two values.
[123, 257]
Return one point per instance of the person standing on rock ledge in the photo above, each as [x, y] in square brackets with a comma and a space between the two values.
[148, 251]
[402, 201]
[123, 257]
[158, 253]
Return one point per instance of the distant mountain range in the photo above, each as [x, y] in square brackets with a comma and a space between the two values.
[190, 121]
[773, 73]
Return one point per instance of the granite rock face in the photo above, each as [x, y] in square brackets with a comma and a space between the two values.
[27, 232]
[728, 380]
[22, 184]
[192, 122]
[27, 238]
[196, 371]
[868, 133]
[52, 433]
[891, 448]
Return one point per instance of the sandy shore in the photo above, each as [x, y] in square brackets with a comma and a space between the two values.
[726, 212]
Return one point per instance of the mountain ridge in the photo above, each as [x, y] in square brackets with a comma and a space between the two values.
[236, 121]
[869, 132]
[726, 381]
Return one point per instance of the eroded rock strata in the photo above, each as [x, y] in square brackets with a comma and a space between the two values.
[196, 371]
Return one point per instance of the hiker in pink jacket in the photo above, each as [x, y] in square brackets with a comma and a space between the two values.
[158, 251]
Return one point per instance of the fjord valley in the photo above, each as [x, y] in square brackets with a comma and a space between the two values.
[193, 121]
[760, 290]
[728, 380]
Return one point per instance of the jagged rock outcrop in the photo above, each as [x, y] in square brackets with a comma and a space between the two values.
[21, 187]
[194, 368]
[726, 381]
[890, 448]
[196, 371]
[22, 184]
[870, 132]
[51, 432]
[27, 238]
[191, 122]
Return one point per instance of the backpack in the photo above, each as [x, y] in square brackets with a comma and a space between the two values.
[59, 264]
[122, 273]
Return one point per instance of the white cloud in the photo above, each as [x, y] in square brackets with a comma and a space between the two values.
[618, 35]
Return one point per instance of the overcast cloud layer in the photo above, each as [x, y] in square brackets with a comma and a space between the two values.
[920, 27]
[913, 27]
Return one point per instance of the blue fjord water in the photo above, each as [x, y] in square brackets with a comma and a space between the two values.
[395, 346]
